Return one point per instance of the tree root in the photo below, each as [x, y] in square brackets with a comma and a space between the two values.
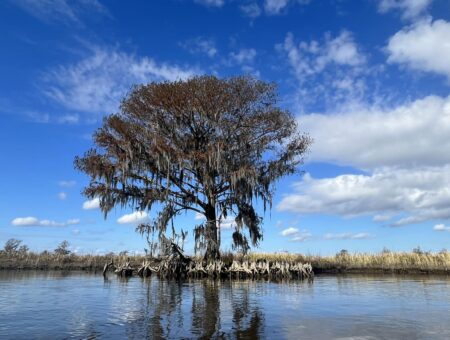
[178, 265]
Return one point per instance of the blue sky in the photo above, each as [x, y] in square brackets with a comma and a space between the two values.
[368, 80]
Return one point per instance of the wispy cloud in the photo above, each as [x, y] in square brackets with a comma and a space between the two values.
[96, 84]
[64, 11]
[251, 9]
[348, 236]
[211, 3]
[66, 183]
[410, 9]
[275, 6]
[62, 195]
[243, 56]
[200, 45]
[333, 68]
[35, 222]
[296, 235]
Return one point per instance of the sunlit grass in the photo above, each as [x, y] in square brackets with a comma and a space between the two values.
[52, 261]
[397, 261]
[385, 261]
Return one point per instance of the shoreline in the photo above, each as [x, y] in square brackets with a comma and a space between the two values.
[382, 263]
[317, 271]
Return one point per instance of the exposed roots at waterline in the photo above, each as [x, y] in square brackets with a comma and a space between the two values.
[177, 265]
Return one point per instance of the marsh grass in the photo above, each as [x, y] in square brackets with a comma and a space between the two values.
[52, 261]
[414, 262]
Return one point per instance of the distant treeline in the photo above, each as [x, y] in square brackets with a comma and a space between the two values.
[16, 256]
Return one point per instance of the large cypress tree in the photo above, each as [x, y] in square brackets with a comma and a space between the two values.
[212, 146]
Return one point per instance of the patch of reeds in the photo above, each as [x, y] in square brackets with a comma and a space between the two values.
[386, 261]
[52, 261]
[405, 262]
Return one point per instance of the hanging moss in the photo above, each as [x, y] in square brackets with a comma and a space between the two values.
[209, 145]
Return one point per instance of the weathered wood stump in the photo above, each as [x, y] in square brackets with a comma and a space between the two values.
[178, 265]
[124, 270]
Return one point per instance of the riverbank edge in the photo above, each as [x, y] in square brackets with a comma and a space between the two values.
[317, 270]
[424, 263]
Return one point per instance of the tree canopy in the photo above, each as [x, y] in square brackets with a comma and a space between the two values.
[208, 145]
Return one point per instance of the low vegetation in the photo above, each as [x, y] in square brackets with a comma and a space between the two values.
[15, 255]
[416, 261]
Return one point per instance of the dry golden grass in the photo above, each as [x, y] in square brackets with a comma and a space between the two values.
[384, 261]
[51, 261]
[416, 261]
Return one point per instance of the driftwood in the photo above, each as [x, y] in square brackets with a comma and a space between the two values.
[107, 267]
[178, 265]
[124, 270]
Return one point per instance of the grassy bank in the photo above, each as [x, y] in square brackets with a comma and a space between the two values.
[52, 261]
[343, 262]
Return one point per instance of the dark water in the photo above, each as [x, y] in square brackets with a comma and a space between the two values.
[56, 306]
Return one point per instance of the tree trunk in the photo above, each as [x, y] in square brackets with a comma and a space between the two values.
[212, 241]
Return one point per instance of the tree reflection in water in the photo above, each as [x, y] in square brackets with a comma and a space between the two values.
[201, 309]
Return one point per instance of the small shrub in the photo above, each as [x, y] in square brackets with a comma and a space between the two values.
[12, 246]
[63, 248]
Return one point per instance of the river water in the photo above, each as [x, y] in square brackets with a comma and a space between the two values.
[53, 305]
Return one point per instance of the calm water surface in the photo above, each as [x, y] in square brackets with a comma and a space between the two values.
[76, 305]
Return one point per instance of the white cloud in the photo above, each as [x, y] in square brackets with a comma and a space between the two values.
[68, 12]
[201, 45]
[25, 221]
[211, 3]
[133, 218]
[331, 70]
[244, 56]
[62, 196]
[228, 223]
[308, 58]
[413, 195]
[301, 236]
[92, 204]
[251, 10]
[67, 184]
[441, 227]
[414, 134]
[382, 218]
[97, 83]
[423, 47]
[348, 236]
[410, 8]
[68, 119]
[275, 6]
[75, 232]
[295, 235]
[35, 222]
[289, 231]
